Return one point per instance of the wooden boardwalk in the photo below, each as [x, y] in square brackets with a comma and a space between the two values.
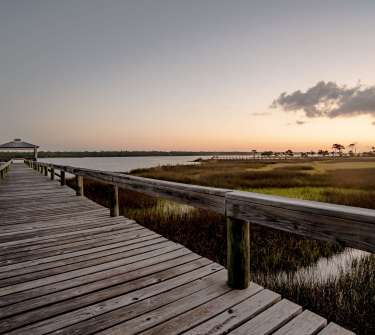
[67, 267]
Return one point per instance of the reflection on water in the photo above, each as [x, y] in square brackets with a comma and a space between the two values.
[121, 164]
[325, 269]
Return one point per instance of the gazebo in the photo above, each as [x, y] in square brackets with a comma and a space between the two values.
[18, 145]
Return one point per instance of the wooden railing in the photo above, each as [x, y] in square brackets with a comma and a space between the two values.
[4, 168]
[350, 226]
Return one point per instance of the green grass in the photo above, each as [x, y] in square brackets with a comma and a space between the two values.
[336, 195]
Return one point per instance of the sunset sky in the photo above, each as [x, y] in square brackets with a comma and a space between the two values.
[187, 75]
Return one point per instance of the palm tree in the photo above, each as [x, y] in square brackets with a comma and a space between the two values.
[289, 153]
[338, 147]
[334, 147]
[352, 147]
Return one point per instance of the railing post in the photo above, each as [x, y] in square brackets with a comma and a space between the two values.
[79, 182]
[52, 173]
[238, 253]
[115, 208]
[62, 178]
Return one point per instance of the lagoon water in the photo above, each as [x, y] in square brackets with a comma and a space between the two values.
[122, 164]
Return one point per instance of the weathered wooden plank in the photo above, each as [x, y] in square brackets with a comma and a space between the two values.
[130, 233]
[85, 259]
[166, 312]
[63, 259]
[55, 237]
[69, 233]
[51, 230]
[235, 316]
[307, 323]
[48, 293]
[50, 227]
[334, 329]
[204, 312]
[87, 295]
[103, 237]
[186, 284]
[270, 320]
[355, 227]
[128, 251]
[81, 272]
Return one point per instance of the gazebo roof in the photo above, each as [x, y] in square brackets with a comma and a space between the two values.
[18, 144]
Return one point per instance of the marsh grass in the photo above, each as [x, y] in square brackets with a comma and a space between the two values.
[245, 175]
[204, 232]
[347, 300]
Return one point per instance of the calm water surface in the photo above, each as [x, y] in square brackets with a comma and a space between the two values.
[121, 164]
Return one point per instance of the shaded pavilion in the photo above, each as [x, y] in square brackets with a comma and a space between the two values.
[19, 145]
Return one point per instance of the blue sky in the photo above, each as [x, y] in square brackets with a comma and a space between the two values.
[180, 75]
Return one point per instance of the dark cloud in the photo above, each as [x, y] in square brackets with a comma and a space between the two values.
[298, 123]
[260, 113]
[327, 99]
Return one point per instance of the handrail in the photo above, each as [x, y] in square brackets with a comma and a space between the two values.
[350, 226]
[4, 168]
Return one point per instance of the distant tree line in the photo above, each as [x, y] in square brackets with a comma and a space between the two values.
[79, 154]
[337, 150]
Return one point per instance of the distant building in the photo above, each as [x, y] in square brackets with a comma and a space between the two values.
[18, 145]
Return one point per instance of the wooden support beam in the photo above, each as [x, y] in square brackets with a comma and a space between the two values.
[62, 178]
[115, 208]
[238, 253]
[79, 182]
[46, 171]
[52, 173]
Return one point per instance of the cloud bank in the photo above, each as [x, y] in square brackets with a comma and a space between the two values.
[327, 99]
